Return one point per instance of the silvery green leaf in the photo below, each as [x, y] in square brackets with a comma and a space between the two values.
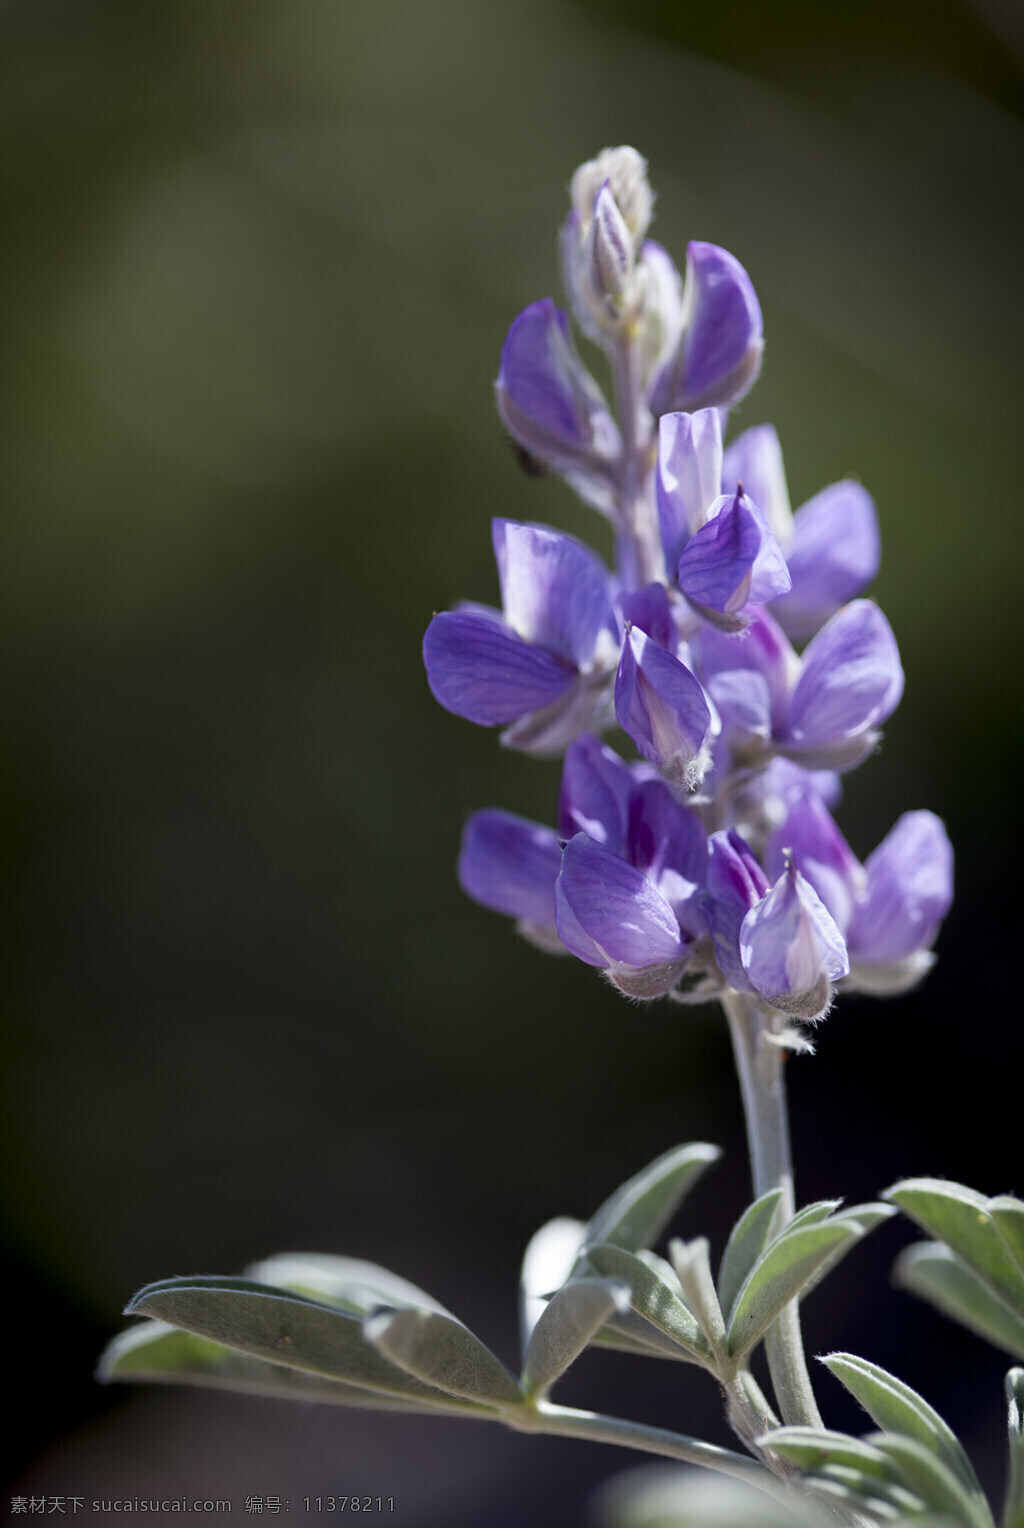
[636, 1214]
[812, 1214]
[669, 1496]
[568, 1322]
[347, 1282]
[931, 1478]
[692, 1263]
[932, 1271]
[1008, 1214]
[443, 1353]
[548, 1261]
[652, 1297]
[747, 1240]
[165, 1354]
[812, 1447]
[893, 1406]
[1013, 1508]
[626, 1332]
[280, 1327]
[964, 1220]
[786, 1266]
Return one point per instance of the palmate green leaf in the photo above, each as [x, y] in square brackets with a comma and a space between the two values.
[933, 1272]
[349, 1283]
[281, 1328]
[983, 1233]
[747, 1240]
[156, 1352]
[897, 1408]
[790, 1265]
[568, 1323]
[636, 1214]
[653, 1298]
[1013, 1508]
[439, 1351]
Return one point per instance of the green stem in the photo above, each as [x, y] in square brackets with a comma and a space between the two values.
[759, 1063]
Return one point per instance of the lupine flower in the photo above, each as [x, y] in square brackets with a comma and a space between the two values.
[791, 949]
[542, 666]
[831, 544]
[890, 908]
[662, 706]
[719, 352]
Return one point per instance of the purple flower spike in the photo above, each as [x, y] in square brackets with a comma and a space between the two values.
[610, 915]
[548, 400]
[510, 865]
[719, 355]
[851, 682]
[663, 708]
[755, 460]
[791, 949]
[733, 560]
[833, 556]
[909, 891]
[689, 476]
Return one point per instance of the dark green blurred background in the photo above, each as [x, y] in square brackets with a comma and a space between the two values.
[258, 260]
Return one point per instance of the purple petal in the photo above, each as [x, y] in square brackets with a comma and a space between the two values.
[546, 397]
[755, 460]
[743, 702]
[667, 842]
[689, 476]
[649, 608]
[735, 883]
[733, 560]
[596, 790]
[850, 683]
[834, 555]
[791, 949]
[720, 353]
[820, 853]
[762, 648]
[663, 708]
[511, 865]
[554, 590]
[481, 670]
[909, 891]
[609, 913]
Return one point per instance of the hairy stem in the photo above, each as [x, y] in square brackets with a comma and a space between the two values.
[759, 1064]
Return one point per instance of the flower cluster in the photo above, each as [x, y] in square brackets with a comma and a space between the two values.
[730, 643]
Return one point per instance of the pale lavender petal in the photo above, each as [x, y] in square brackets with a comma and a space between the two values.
[743, 702]
[735, 883]
[663, 708]
[594, 797]
[478, 668]
[510, 864]
[547, 399]
[689, 476]
[720, 353]
[662, 318]
[820, 853]
[791, 949]
[833, 556]
[733, 559]
[554, 590]
[851, 682]
[622, 916]
[909, 891]
[754, 459]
